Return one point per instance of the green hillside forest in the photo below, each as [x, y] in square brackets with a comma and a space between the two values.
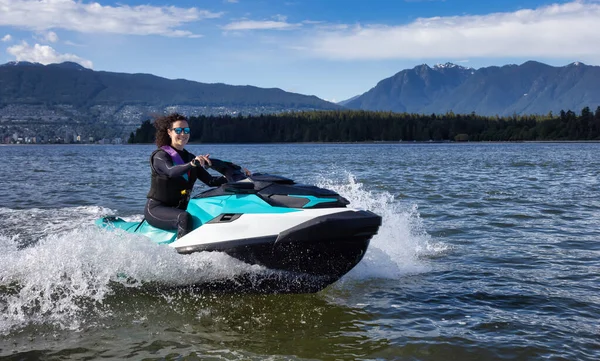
[370, 126]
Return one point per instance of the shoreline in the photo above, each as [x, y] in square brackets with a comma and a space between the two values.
[365, 142]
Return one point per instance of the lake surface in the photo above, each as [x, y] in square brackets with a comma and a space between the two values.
[486, 251]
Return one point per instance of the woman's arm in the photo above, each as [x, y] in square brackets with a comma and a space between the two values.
[163, 164]
[208, 179]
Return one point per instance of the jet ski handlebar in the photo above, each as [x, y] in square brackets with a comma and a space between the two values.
[236, 174]
[231, 171]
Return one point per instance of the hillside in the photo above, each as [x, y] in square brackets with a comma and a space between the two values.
[34, 98]
[529, 88]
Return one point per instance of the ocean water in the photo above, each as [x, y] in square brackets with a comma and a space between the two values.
[486, 252]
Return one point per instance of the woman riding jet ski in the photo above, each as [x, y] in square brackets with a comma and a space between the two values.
[174, 172]
[260, 219]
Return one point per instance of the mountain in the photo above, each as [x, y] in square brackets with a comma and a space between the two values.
[20, 63]
[529, 88]
[34, 96]
[68, 65]
[344, 102]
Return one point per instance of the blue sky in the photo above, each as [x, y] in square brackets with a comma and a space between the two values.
[333, 49]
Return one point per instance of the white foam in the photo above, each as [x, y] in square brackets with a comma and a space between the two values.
[402, 243]
[54, 280]
[29, 225]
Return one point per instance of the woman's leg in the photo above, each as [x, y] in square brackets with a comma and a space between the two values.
[168, 218]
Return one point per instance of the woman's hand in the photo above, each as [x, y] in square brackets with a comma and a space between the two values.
[203, 160]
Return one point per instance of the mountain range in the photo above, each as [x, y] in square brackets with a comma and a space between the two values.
[67, 99]
[35, 96]
[529, 88]
[70, 83]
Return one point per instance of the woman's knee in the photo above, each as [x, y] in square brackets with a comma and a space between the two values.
[184, 219]
[163, 217]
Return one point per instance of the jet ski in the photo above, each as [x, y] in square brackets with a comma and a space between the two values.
[301, 230]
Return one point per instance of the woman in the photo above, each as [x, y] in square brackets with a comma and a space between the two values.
[174, 172]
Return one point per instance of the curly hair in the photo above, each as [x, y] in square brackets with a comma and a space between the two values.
[162, 125]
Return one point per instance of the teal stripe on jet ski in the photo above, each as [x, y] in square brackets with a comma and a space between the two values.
[202, 210]
[313, 201]
[206, 209]
[158, 235]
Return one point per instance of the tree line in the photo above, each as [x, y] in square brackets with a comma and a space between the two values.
[366, 126]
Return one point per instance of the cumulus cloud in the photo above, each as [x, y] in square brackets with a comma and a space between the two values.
[94, 18]
[49, 37]
[6, 38]
[559, 30]
[44, 54]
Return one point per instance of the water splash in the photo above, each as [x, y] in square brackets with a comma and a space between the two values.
[61, 271]
[402, 242]
[64, 275]
[28, 226]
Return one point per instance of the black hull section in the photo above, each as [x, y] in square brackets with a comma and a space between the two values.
[262, 282]
[324, 248]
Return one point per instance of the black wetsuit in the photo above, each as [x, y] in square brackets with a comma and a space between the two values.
[169, 191]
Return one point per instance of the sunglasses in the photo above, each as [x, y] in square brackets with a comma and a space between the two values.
[179, 130]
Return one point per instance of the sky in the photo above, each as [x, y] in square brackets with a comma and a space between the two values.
[334, 49]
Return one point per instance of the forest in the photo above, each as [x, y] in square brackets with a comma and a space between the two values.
[373, 126]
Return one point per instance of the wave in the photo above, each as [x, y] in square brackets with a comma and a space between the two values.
[402, 244]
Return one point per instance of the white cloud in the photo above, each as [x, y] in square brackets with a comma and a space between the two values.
[44, 54]
[560, 30]
[70, 43]
[231, 1]
[94, 18]
[6, 38]
[260, 25]
[50, 37]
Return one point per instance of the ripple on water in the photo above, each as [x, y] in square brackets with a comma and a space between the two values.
[486, 252]
[502, 224]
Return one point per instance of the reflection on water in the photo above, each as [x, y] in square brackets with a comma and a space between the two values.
[154, 325]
